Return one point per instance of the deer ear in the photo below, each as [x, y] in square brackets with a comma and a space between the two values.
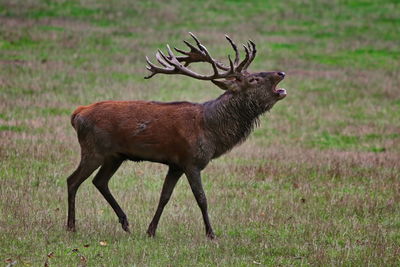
[229, 85]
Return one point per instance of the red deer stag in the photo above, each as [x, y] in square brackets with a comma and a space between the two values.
[185, 136]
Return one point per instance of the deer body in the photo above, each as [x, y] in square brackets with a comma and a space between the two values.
[138, 130]
[185, 136]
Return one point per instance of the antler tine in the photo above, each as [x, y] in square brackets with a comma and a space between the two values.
[243, 63]
[171, 58]
[185, 58]
[151, 75]
[231, 65]
[181, 51]
[187, 55]
[209, 58]
[154, 69]
[253, 50]
[171, 55]
[160, 59]
[166, 59]
[197, 41]
[237, 56]
[194, 55]
[192, 47]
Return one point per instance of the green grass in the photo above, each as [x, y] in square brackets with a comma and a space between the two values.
[316, 184]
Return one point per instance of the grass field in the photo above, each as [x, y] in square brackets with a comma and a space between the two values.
[317, 183]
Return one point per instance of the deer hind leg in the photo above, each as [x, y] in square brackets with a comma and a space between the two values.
[86, 167]
[169, 184]
[101, 180]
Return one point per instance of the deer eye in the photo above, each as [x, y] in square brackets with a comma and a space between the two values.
[254, 80]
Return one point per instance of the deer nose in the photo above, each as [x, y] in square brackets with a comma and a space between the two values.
[282, 74]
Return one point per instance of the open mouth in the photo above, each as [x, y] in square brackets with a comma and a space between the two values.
[280, 92]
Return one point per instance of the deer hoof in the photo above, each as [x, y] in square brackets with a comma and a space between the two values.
[71, 226]
[71, 229]
[125, 225]
[151, 232]
[211, 236]
[126, 228]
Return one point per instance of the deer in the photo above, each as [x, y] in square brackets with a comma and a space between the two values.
[184, 136]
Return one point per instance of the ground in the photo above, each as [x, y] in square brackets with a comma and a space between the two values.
[316, 184]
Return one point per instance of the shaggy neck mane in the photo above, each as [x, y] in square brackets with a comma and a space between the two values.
[230, 119]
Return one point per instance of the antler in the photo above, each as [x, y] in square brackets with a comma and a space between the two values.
[172, 64]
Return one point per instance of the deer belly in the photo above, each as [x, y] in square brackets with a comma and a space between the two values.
[162, 152]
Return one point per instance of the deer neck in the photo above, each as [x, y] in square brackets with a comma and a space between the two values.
[229, 120]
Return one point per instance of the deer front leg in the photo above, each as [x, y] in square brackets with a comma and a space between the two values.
[169, 184]
[194, 179]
